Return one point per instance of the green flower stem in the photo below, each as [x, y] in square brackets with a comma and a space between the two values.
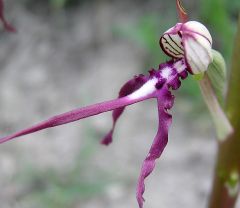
[226, 179]
[220, 120]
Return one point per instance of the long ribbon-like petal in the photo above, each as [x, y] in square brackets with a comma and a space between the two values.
[145, 92]
[165, 101]
[128, 88]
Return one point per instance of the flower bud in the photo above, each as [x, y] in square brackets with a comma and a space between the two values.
[192, 41]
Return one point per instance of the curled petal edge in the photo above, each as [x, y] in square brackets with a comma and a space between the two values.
[165, 101]
[128, 88]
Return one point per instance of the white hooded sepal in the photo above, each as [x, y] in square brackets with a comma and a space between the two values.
[197, 47]
[191, 40]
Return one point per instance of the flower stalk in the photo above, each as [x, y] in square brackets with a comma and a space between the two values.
[221, 121]
[228, 157]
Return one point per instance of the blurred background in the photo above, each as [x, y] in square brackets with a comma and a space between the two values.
[71, 53]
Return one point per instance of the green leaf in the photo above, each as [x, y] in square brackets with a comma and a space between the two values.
[233, 98]
[217, 75]
[58, 4]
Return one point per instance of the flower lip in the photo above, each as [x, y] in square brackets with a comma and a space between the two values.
[158, 84]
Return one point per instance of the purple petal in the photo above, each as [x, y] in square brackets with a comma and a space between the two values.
[6, 25]
[128, 88]
[165, 102]
[80, 113]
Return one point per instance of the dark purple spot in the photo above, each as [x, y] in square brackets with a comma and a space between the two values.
[180, 34]
[183, 74]
[152, 72]
[160, 84]
[174, 84]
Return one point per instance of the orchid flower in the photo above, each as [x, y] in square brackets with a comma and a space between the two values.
[8, 27]
[189, 47]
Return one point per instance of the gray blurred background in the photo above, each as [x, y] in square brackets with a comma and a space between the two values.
[71, 53]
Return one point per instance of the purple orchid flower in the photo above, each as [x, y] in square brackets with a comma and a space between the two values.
[8, 27]
[189, 45]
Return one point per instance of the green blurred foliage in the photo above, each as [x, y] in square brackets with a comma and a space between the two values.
[52, 4]
[58, 3]
[218, 14]
[57, 191]
[49, 188]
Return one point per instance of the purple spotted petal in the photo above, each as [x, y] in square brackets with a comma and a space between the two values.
[165, 102]
[6, 25]
[128, 88]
